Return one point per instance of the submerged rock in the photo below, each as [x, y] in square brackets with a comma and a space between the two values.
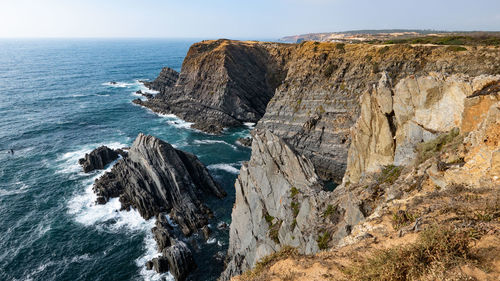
[98, 159]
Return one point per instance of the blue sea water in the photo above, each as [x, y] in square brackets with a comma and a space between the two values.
[56, 104]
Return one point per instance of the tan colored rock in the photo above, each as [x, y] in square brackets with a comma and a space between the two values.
[372, 140]
[482, 162]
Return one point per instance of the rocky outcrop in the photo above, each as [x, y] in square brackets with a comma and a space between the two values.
[280, 201]
[222, 83]
[158, 180]
[99, 158]
[165, 80]
[378, 103]
[394, 120]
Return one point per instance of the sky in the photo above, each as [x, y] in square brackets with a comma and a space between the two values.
[250, 19]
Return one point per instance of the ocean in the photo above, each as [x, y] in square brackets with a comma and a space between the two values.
[57, 103]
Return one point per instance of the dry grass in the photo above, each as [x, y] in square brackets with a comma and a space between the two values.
[265, 262]
[432, 148]
[436, 249]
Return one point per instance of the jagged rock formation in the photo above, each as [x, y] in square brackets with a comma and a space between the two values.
[165, 80]
[157, 179]
[311, 90]
[394, 120]
[222, 83]
[448, 194]
[280, 201]
[99, 158]
[403, 95]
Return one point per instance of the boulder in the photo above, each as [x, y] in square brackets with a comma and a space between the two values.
[98, 159]
[180, 260]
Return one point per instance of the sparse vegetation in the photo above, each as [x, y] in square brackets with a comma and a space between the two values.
[436, 248]
[274, 231]
[265, 262]
[389, 174]
[269, 219]
[329, 70]
[295, 208]
[323, 240]
[402, 218]
[294, 191]
[429, 149]
[340, 46]
[456, 48]
[330, 211]
[449, 40]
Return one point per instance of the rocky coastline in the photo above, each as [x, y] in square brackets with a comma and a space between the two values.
[158, 181]
[346, 136]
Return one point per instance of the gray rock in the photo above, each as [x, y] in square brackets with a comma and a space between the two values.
[180, 260]
[156, 178]
[98, 159]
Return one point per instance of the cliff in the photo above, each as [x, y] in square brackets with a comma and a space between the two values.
[374, 118]
[222, 83]
[349, 111]
[434, 219]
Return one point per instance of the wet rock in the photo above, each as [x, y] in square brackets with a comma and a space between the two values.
[160, 264]
[222, 225]
[245, 141]
[206, 232]
[98, 159]
[157, 178]
[180, 260]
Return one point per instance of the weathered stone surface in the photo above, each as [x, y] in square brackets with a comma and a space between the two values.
[245, 141]
[98, 159]
[167, 79]
[222, 83]
[180, 260]
[422, 108]
[156, 178]
[280, 201]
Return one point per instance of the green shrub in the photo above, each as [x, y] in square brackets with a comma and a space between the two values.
[294, 191]
[295, 208]
[389, 174]
[269, 219]
[330, 211]
[329, 70]
[431, 148]
[456, 48]
[323, 240]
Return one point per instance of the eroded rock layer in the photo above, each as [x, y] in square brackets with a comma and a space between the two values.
[158, 180]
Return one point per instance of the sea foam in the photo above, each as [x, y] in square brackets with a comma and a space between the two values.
[225, 167]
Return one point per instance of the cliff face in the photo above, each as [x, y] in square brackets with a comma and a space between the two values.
[280, 201]
[222, 83]
[318, 102]
[376, 102]
[352, 113]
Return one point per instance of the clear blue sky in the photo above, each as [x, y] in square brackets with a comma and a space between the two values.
[237, 19]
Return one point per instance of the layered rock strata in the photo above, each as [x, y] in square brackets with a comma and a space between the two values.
[378, 103]
[222, 83]
[158, 180]
[308, 93]
[98, 158]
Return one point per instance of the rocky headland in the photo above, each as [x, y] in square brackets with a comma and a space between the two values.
[388, 124]
[158, 181]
